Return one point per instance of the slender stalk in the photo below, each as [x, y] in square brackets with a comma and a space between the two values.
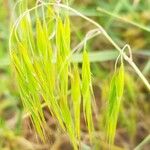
[145, 141]
[123, 19]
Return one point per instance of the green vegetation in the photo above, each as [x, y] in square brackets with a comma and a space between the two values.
[67, 87]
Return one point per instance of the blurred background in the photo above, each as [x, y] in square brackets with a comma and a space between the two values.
[127, 22]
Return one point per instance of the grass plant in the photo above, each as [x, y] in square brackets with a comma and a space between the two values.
[42, 56]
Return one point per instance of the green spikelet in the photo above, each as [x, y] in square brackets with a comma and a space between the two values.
[86, 92]
[76, 98]
[114, 102]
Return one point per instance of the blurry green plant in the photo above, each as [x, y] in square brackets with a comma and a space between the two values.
[42, 57]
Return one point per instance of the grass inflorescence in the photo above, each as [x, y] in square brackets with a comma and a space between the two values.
[44, 76]
[41, 53]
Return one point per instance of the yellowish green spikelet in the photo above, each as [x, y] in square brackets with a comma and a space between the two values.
[114, 102]
[86, 92]
[26, 33]
[76, 97]
[63, 51]
[29, 89]
[46, 71]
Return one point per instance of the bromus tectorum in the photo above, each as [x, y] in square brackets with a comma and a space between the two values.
[41, 53]
[114, 102]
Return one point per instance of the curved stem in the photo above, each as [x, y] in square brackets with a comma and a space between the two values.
[141, 145]
[145, 81]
